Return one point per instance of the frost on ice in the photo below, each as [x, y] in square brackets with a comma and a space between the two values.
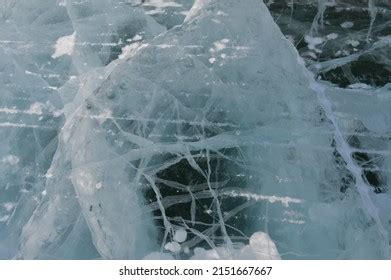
[173, 129]
[64, 45]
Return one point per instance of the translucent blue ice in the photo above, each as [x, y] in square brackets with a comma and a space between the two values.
[142, 128]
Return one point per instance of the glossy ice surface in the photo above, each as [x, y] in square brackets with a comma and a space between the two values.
[194, 129]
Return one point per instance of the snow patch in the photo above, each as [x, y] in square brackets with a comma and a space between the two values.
[353, 43]
[64, 45]
[8, 206]
[180, 235]
[260, 247]
[313, 42]
[174, 247]
[4, 219]
[360, 86]
[347, 24]
[10, 159]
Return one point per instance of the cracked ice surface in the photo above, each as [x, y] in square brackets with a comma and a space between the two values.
[146, 129]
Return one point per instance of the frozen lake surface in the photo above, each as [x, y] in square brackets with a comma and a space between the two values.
[206, 129]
